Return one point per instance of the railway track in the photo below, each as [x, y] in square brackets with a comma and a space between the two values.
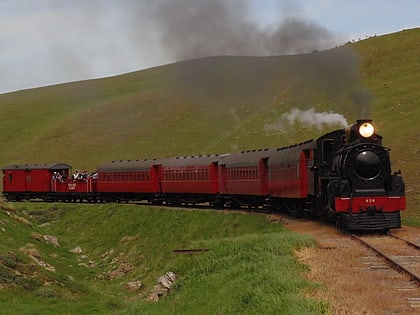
[401, 254]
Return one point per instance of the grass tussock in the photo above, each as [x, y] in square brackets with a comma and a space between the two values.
[250, 274]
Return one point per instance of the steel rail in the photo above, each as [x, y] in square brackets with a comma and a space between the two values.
[391, 261]
[404, 240]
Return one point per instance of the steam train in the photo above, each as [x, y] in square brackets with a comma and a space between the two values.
[344, 175]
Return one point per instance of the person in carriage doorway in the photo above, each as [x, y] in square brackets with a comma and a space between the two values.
[76, 175]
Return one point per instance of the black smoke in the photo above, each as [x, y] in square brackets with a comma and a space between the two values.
[200, 28]
[189, 29]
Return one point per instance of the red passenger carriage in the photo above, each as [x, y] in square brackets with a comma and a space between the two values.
[190, 180]
[243, 178]
[129, 180]
[291, 176]
[288, 171]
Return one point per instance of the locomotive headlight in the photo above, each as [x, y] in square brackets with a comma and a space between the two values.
[366, 130]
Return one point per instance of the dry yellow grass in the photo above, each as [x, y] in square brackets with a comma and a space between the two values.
[354, 280]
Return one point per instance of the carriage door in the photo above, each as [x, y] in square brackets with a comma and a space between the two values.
[156, 178]
[28, 180]
[263, 176]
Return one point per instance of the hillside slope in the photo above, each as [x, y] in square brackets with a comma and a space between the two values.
[220, 104]
[196, 106]
[391, 69]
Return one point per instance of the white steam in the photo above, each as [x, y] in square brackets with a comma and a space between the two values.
[311, 118]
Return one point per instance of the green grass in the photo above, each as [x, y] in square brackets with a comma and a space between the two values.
[249, 268]
[251, 274]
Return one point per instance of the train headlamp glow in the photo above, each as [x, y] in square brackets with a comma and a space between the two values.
[366, 130]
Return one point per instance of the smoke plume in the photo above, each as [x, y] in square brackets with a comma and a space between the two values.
[191, 29]
[201, 28]
[314, 119]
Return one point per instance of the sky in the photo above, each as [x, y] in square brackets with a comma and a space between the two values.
[46, 42]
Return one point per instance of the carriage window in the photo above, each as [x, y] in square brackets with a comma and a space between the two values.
[10, 177]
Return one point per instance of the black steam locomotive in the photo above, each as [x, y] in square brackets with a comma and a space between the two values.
[356, 184]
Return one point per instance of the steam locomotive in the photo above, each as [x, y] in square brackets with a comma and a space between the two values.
[344, 176]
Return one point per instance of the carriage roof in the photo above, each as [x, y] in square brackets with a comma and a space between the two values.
[38, 166]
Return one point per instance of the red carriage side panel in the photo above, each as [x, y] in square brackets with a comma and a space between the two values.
[222, 179]
[32, 178]
[289, 173]
[284, 181]
[14, 180]
[73, 186]
[39, 180]
[190, 175]
[263, 176]
[214, 177]
[126, 182]
[245, 173]
[140, 176]
[244, 180]
[156, 177]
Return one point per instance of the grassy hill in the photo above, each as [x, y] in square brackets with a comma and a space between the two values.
[391, 69]
[209, 105]
[197, 106]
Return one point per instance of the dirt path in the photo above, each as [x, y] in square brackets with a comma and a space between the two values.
[355, 281]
